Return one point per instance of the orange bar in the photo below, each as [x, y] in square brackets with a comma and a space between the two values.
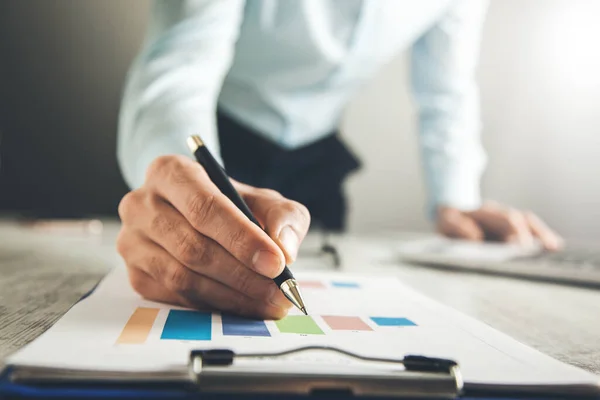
[138, 327]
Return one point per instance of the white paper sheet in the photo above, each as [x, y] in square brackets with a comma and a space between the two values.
[86, 337]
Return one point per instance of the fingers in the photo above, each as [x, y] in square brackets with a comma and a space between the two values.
[496, 222]
[550, 239]
[185, 242]
[156, 275]
[185, 185]
[170, 230]
[147, 287]
[503, 224]
[455, 224]
[285, 221]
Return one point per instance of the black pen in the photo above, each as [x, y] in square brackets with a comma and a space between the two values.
[286, 281]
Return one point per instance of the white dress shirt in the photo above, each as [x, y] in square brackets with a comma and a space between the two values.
[287, 69]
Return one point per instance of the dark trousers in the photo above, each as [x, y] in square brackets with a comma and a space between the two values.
[312, 175]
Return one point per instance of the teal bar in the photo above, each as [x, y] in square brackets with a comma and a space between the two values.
[187, 325]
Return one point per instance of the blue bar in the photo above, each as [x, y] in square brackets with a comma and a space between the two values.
[237, 326]
[187, 325]
[350, 285]
[387, 321]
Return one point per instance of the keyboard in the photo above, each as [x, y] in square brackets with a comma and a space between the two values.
[574, 258]
[574, 266]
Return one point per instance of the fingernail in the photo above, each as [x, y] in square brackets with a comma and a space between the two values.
[289, 240]
[267, 263]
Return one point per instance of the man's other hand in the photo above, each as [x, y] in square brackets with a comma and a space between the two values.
[186, 243]
[496, 222]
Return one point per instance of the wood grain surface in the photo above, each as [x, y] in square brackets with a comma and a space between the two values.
[43, 274]
[41, 277]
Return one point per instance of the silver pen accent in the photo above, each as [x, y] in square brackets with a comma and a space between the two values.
[291, 290]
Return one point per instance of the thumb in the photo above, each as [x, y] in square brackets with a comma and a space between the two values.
[285, 221]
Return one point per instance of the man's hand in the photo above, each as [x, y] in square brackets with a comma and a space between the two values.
[495, 222]
[184, 242]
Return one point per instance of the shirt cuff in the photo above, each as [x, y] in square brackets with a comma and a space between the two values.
[457, 186]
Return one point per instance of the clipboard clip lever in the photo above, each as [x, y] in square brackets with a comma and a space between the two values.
[213, 371]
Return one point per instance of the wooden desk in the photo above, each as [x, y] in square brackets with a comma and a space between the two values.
[42, 275]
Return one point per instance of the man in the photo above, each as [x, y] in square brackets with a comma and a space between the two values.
[272, 78]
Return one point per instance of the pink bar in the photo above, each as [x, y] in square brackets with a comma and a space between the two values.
[311, 284]
[338, 323]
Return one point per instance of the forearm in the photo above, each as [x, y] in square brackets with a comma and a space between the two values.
[148, 130]
[452, 152]
[173, 85]
[443, 71]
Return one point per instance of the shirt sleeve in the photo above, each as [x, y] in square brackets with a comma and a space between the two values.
[173, 85]
[443, 66]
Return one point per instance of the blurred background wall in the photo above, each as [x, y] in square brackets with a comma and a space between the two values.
[63, 63]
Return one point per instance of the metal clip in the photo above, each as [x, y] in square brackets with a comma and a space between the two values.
[421, 377]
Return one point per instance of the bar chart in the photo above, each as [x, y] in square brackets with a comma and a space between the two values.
[305, 284]
[191, 325]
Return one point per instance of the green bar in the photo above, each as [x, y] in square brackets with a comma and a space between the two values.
[299, 324]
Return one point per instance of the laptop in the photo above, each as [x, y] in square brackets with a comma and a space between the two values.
[576, 266]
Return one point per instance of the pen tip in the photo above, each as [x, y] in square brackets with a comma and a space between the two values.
[291, 291]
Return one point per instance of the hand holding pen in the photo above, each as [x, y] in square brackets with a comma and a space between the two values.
[187, 243]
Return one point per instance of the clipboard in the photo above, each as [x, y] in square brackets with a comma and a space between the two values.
[211, 373]
[210, 376]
